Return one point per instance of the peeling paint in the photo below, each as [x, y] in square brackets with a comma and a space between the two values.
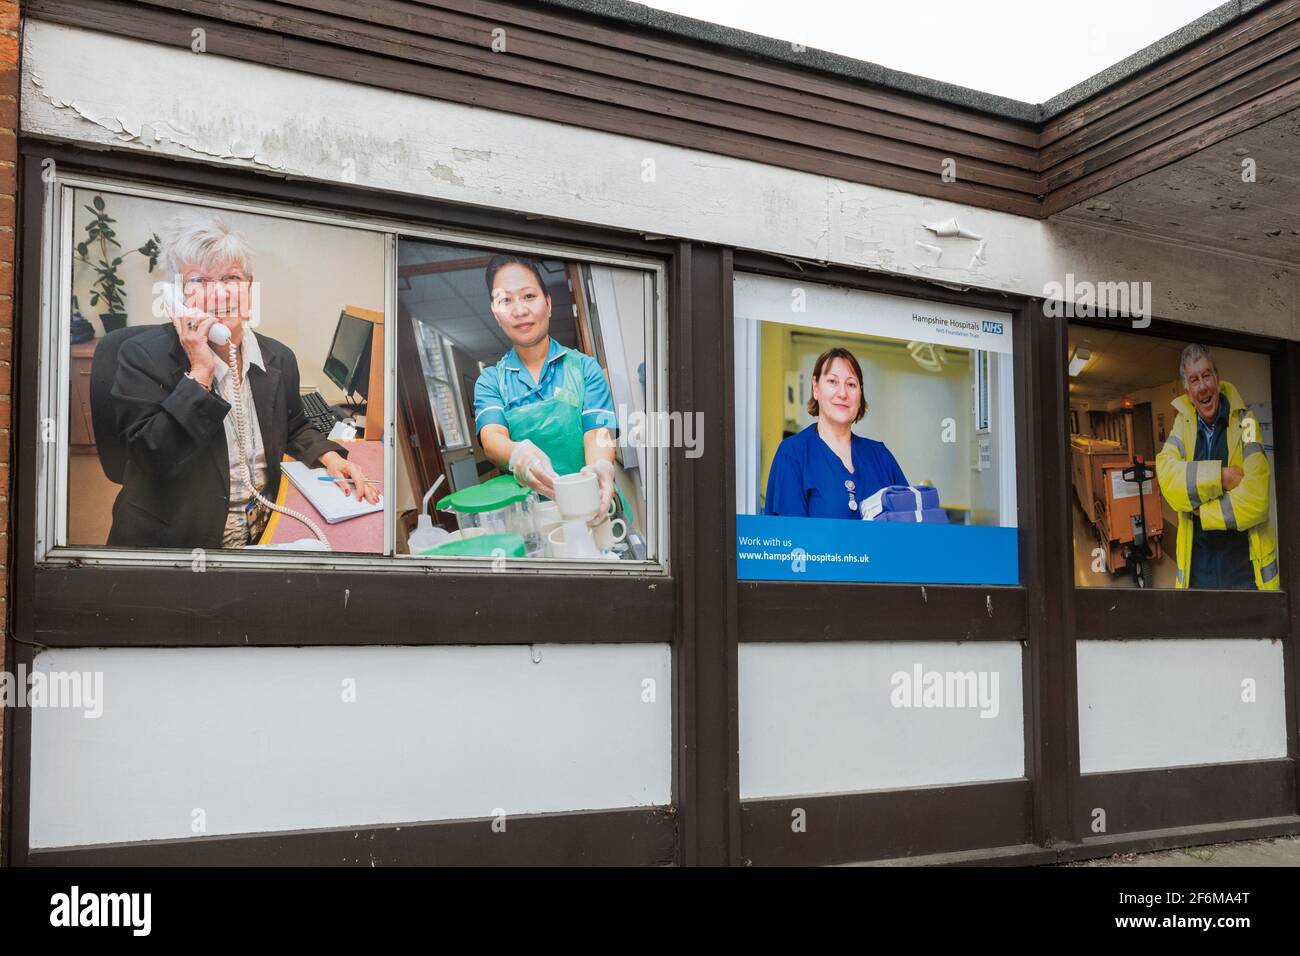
[444, 173]
[933, 250]
[148, 134]
[867, 251]
[950, 229]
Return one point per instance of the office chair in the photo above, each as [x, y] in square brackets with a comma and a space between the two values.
[103, 417]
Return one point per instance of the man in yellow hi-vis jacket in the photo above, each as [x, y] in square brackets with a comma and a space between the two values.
[1214, 473]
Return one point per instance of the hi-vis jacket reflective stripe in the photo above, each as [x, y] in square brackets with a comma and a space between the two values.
[1188, 484]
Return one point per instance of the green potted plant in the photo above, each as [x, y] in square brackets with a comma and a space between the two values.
[108, 286]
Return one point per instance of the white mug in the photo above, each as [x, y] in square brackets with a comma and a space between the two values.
[605, 535]
[577, 495]
[555, 542]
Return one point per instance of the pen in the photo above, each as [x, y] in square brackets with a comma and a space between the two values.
[369, 481]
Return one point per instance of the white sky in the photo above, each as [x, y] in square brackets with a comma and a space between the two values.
[1026, 49]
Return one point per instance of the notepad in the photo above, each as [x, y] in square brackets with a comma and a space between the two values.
[327, 497]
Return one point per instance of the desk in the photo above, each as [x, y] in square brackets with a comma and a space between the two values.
[363, 535]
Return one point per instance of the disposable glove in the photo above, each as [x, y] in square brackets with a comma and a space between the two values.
[604, 472]
[532, 468]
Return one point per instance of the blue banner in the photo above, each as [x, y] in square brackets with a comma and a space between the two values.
[771, 548]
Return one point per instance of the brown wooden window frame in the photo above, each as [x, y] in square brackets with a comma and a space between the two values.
[75, 602]
[1111, 613]
[778, 611]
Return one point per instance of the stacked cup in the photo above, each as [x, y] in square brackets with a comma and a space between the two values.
[578, 497]
[611, 530]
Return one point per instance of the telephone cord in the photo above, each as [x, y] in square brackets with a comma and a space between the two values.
[238, 404]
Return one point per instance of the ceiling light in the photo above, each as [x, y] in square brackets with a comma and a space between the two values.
[927, 356]
[1079, 361]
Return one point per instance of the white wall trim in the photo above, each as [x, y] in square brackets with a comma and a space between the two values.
[104, 90]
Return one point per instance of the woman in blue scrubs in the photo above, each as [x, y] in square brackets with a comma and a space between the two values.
[543, 410]
[826, 471]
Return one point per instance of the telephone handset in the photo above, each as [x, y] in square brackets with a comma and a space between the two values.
[219, 339]
[218, 334]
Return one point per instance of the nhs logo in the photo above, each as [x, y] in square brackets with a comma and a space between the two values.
[994, 328]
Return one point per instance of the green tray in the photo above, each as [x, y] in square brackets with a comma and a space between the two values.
[480, 546]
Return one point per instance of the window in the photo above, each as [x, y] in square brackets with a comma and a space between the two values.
[441, 379]
[548, 356]
[266, 432]
[875, 437]
[246, 383]
[1172, 465]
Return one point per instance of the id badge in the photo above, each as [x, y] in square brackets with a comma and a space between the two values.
[255, 519]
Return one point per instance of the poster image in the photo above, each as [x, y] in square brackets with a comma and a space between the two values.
[1172, 453]
[518, 374]
[224, 392]
[875, 438]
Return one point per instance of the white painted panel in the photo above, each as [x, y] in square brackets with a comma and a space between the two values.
[112, 91]
[1172, 703]
[260, 738]
[829, 717]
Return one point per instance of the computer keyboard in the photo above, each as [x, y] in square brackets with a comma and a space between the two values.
[318, 412]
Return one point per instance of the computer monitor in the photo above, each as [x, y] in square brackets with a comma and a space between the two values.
[348, 363]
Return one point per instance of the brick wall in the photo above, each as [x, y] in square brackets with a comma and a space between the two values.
[8, 208]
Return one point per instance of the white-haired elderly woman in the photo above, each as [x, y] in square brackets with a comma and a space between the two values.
[183, 485]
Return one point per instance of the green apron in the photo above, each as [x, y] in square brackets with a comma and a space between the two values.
[555, 424]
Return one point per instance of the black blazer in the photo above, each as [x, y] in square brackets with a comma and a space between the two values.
[176, 485]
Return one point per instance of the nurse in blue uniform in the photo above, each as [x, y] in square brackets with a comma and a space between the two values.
[543, 410]
[826, 471]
